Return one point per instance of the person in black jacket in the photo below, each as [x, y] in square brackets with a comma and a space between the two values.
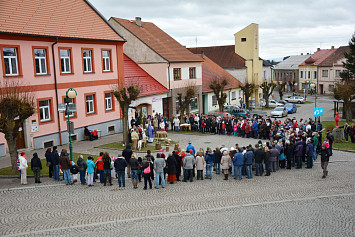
[178, 164]
[217, 160]
[267, 161]
[36, 167]
[133, 162]
[82, 168]
[127, 154]
[107, 168]
[49, 159]
[289, 153]
[259, 157]
[324, 155]
[55, 163]
[147, 172]
[120, 165]
[171, 164]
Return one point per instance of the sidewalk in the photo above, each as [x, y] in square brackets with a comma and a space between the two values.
[84, 147]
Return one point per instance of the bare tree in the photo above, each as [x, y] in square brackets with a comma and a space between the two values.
[125, 96]
[268, 88]
[184, 96]
[16, 105]
[281, 89]
[248, 89]
[217, 86]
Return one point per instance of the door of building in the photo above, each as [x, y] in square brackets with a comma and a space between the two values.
[321, 89]
[20, 142]
[166, 107]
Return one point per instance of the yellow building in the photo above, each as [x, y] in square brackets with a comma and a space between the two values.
[247, 46]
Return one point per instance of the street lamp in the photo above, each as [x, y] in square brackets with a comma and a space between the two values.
[70, 94]
[314, 87]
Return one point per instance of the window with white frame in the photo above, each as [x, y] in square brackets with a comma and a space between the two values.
[214, 100]
[87, 60]
[65, 60]
[106, 60]
[192, 72]
[108, 100]
[44, 110]
[234, 95]
[40, 60]
[90, 109]
[10, 61]
[337, 73]
[71, 114]
[324, 73]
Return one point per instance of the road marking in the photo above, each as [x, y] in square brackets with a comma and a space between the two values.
[184, 213]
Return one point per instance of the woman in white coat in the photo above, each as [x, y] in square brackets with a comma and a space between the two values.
[23, 168]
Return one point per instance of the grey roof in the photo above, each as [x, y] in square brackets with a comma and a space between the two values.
[291, 63]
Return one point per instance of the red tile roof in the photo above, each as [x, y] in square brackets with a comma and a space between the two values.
[318, 57]
[339, 54]
[55, 18]
[137, 76]
[224, 56]
[211, 71]
[162, 43]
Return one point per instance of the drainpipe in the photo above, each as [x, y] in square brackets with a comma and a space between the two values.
[172, 102]
[56, 91]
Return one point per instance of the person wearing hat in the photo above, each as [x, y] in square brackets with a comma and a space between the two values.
[188, 164]
[191, 147]
[23, 167]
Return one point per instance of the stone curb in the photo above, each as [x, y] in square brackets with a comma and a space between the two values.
[344, 150]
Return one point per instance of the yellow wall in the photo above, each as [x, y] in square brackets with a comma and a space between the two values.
[247, 46]
[305, 78]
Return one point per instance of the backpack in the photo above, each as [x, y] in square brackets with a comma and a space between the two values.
[147, 170]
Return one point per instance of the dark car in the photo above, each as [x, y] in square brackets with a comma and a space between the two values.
[238, 112]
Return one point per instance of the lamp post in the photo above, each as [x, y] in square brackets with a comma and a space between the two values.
[70, 94]
[313, 86]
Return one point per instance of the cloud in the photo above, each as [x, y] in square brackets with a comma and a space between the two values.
[285, 27]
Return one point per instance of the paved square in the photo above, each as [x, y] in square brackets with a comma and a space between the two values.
[287, 203]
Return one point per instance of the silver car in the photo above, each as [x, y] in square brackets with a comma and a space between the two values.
[274, 104]
[296, 99]
[279, 112]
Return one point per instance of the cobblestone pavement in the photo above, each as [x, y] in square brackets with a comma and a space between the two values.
[287, 203]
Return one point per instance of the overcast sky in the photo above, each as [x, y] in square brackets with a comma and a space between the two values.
[286, 27]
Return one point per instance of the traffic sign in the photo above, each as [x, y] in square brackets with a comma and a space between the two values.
[318, 112]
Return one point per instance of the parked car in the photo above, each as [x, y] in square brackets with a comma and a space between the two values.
[279, 112]
[238, 112]
[296, 99]
[221, 114]
[274, 104]
[292, 108]
[282, 101]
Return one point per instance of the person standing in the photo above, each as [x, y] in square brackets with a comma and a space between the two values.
[238, 162]
[274, 153]
[315, 145]
[178, 159]
[337, 118]
[267, 161]
[346, 131]
[171, 163]
[330, 138]
[188, 165]
[133, 162]
[289, 152]
[209, 163]
[324, 155]
[159, 165]
[249, 156]
[82, 166]
[127, 154]
[217, 160]
[65, 163]
[99, 164]
[55, 163]
[259, 158]
[191, 147]
[150, 132]
[176, 124]
[23, 167]
[226, 163]
[147, 168]
[120, 166]
[49, 160]
[91, 169]
[200, 165]
[309, 153]
[298, 153]
[106, 159]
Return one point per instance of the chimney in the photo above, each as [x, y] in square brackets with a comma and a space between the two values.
[139, 21]
[202, 54]
[301, 53]
[318, 49]
[332, 47]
